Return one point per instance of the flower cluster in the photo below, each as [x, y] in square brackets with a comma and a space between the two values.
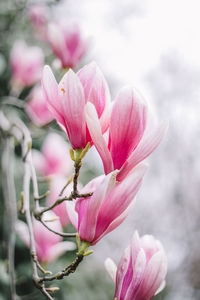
[123, 133]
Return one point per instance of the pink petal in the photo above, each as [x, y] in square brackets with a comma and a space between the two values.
[88, 208]
[118, 200]
[73, 216]
[121, 271]
[57, 41]
[153, 277]
[97, 137]
[127, 124]
[149, 142]
[138, 271]
[111, 268]
[115, 223]
[95, 87]
[71, 96]
[50, 88]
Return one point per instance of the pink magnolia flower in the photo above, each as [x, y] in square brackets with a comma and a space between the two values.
[57, 183]
[26, 64]
[68, 98]
[96, 216]
[54, 157]
[48, 244]
[132, 134]
[67, 43]
[141, 271]
[38, 15]
[37, 107]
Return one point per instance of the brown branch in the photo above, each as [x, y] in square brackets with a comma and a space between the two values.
[65, 272]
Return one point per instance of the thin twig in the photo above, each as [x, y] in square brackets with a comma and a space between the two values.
[57, 232]
[65, 272]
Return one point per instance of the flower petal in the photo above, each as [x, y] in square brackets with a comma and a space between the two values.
[149, 142]
[71, 96]
[97, 137]
[127, 124]
[95, 87]
[50, 88]
[111, 268]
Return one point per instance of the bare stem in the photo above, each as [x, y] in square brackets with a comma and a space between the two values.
[10, 201]
[65, 272]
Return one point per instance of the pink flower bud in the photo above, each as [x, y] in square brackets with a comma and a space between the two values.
[66, 42]
[132, 135]
[37, 107]
[26, 64]
[67, 100]
[141, 271]
[38, 15]
[106, 209]
[54, 157]
[48, 244]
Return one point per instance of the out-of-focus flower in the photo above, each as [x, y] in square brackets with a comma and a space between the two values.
[141, 271]
[132, 134]
[57, 183]
[54, 157]
[106, 209]
[67, 43]
[37, 107]
[26, 64]
[68, 98]
[48, 244]
[38, 15]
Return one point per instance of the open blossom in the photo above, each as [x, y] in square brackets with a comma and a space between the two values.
[66, 41]
[26, 64]
[56, 185]
[141, 271]
[67, 100]
[48, 244]
[106, 209]
[132, 134]
[37, 108]
[54, 157]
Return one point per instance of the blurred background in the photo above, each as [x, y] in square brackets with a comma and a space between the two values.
[155, 46]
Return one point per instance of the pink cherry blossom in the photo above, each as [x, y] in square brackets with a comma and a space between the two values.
[106, 209]
[68, 98]
[141, 271]
[54, 157]
[132, 134]
[37, 107]
[57, 183]
[26, 65]
[48, 244]
[67, 43]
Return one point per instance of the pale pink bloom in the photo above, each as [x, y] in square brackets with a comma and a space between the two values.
[66, 42]
[48, 244]
[132, 134]
[37, 108]
[68, 98]
[141, 271]
[54, 157]
[38, 15]
[106, 209]
[56, 185]
[26, 65]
